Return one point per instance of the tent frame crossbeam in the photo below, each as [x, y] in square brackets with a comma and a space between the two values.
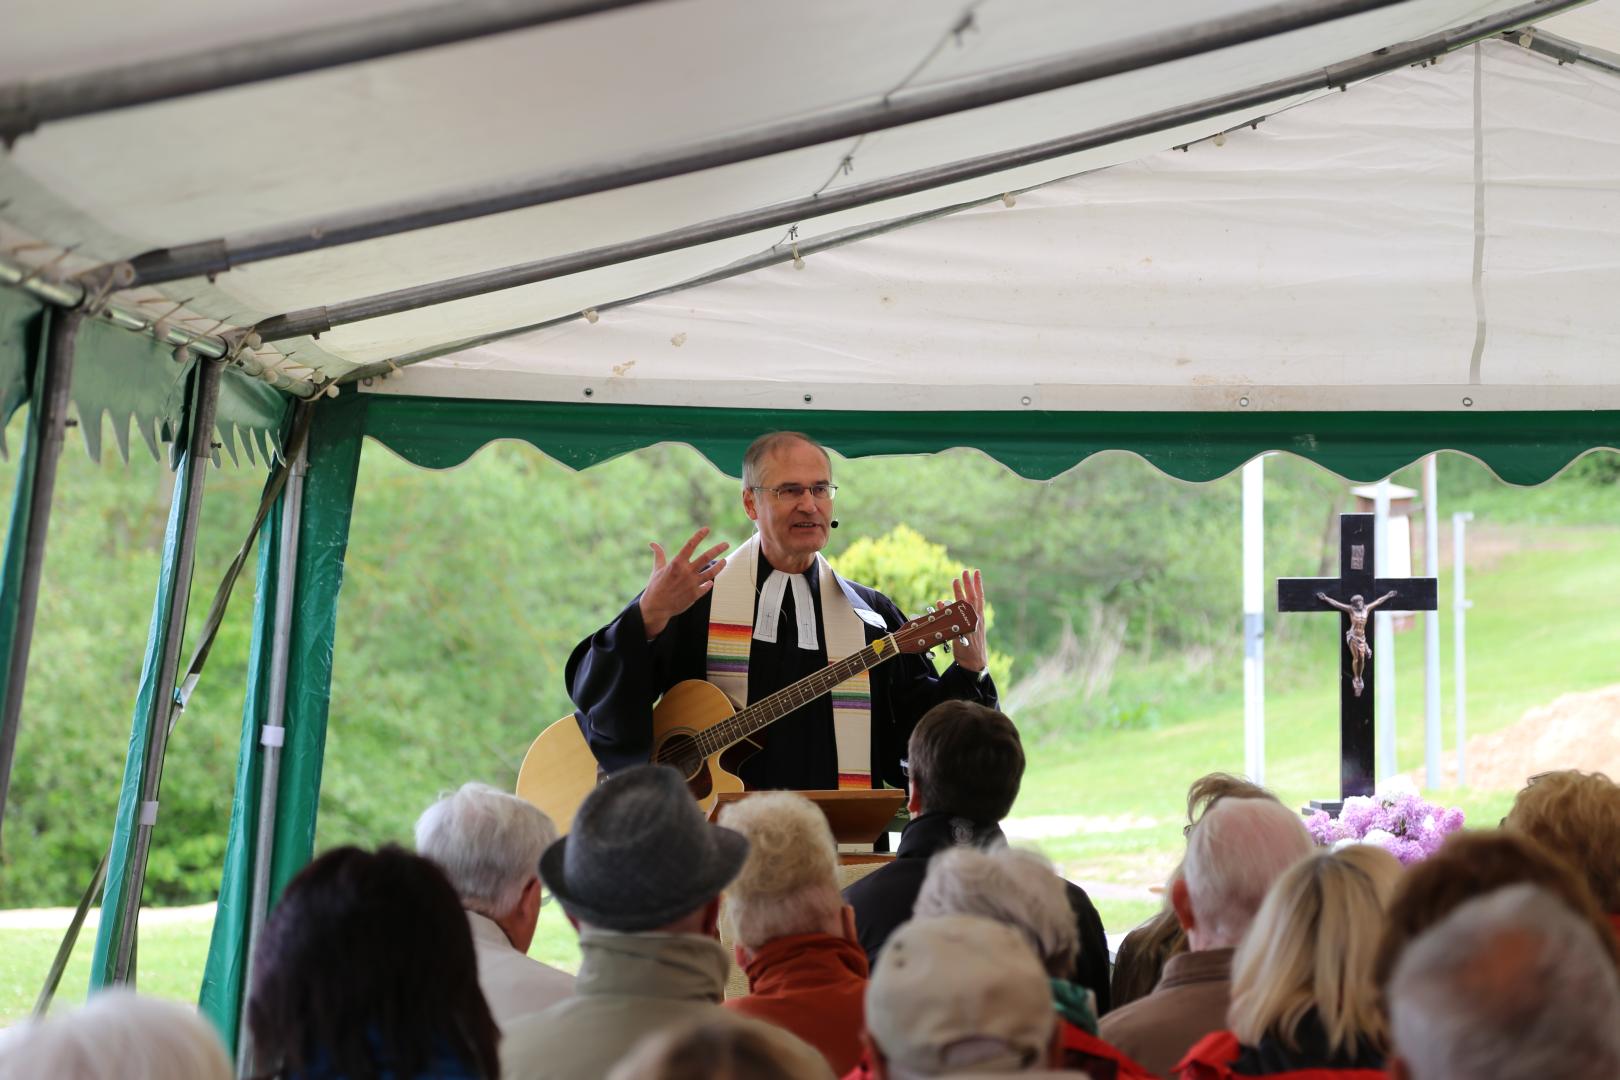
[72, 295]
[321, 319]
[24, 105]
[1566, 51]
[211, 257]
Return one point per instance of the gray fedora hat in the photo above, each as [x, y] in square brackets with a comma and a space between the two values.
[640, 854]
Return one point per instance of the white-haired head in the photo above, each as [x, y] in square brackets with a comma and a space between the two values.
[789, 885]
[117, 1036]
[1019, 888]
[1510, 986]
[1234, 853]
[488, 843]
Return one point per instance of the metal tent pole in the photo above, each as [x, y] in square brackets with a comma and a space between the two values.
[26, 105]
[318, 320]
[1566, 51]
[1254, 620]
[1431, 629]
[218, 255]
[1459, 615]
[48, 426]
[273, 734]
[71, 294]
[198, 452]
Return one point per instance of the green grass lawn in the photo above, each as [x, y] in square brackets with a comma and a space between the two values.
[1543, 624]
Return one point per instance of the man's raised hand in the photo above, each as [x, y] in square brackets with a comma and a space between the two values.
[973, 653]
[676, 584]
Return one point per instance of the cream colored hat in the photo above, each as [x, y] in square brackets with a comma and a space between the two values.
[959, 994]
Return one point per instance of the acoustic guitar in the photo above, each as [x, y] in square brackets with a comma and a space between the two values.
[697, 730]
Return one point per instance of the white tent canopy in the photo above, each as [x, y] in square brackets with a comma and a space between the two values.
[1441, 237]
[1328, 259]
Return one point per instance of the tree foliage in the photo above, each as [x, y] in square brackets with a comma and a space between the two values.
[466, 590]
[916, 573]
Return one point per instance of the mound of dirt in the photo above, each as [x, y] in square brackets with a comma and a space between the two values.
[1575, 731]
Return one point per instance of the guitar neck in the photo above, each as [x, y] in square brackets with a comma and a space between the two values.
[765, 712]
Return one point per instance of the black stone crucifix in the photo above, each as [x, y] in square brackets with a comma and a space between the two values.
[1355, 592]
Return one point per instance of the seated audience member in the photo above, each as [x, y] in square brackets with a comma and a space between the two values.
[1304, 1002]
[118, 1035]
[1234, 853]
[488, 843]
[1140, 959]
[1471, 864]
[794, 936]
[725, 1049]
[1510, 986]
[965, 764]
[1021, 890]
[640, 878]
[1576, 816]
[958, 994]
[366, 968]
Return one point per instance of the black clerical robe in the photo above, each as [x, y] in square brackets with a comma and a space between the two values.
[616, 675]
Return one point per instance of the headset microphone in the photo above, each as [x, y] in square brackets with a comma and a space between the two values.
[834, 523]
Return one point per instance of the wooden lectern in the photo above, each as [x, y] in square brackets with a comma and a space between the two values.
[857, 818]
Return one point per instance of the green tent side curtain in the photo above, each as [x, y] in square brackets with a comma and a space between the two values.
[129, 380]
[148, 714]
[328, 498]
[1520, 447]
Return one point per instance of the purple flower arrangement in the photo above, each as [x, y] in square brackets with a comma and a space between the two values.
[1402, 824]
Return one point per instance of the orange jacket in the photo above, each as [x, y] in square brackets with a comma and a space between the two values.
[814, 985]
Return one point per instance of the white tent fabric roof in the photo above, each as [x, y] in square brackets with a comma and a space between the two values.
[1325, 260]
[662, 75]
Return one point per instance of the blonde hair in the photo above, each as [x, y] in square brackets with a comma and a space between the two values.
[725, 1048]
[118, 1035]
[1018, 888]
[1576, 816]
[789, 884]
[1312, 947]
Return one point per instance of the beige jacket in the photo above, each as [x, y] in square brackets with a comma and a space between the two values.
[629, 985]
[513, 984]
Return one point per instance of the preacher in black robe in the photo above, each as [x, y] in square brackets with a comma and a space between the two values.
[616, 675]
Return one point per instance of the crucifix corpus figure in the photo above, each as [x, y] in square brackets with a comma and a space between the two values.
[1347, 593]
[1356, 637]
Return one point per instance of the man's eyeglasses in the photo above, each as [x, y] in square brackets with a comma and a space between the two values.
[791, 493]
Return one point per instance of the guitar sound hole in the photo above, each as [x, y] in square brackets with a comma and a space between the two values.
[681, 752]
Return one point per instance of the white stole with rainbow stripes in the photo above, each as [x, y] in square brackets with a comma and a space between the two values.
[731, 633]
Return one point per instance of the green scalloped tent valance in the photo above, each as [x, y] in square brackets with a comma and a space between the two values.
[1520, 447]
[129, 380]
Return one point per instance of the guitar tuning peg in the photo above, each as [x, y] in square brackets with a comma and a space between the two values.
[930, 609]
[947, 648]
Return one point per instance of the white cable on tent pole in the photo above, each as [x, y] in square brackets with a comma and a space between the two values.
[798, 260]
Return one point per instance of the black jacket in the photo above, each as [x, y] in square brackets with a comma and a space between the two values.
[884, 898]
[615, 675]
